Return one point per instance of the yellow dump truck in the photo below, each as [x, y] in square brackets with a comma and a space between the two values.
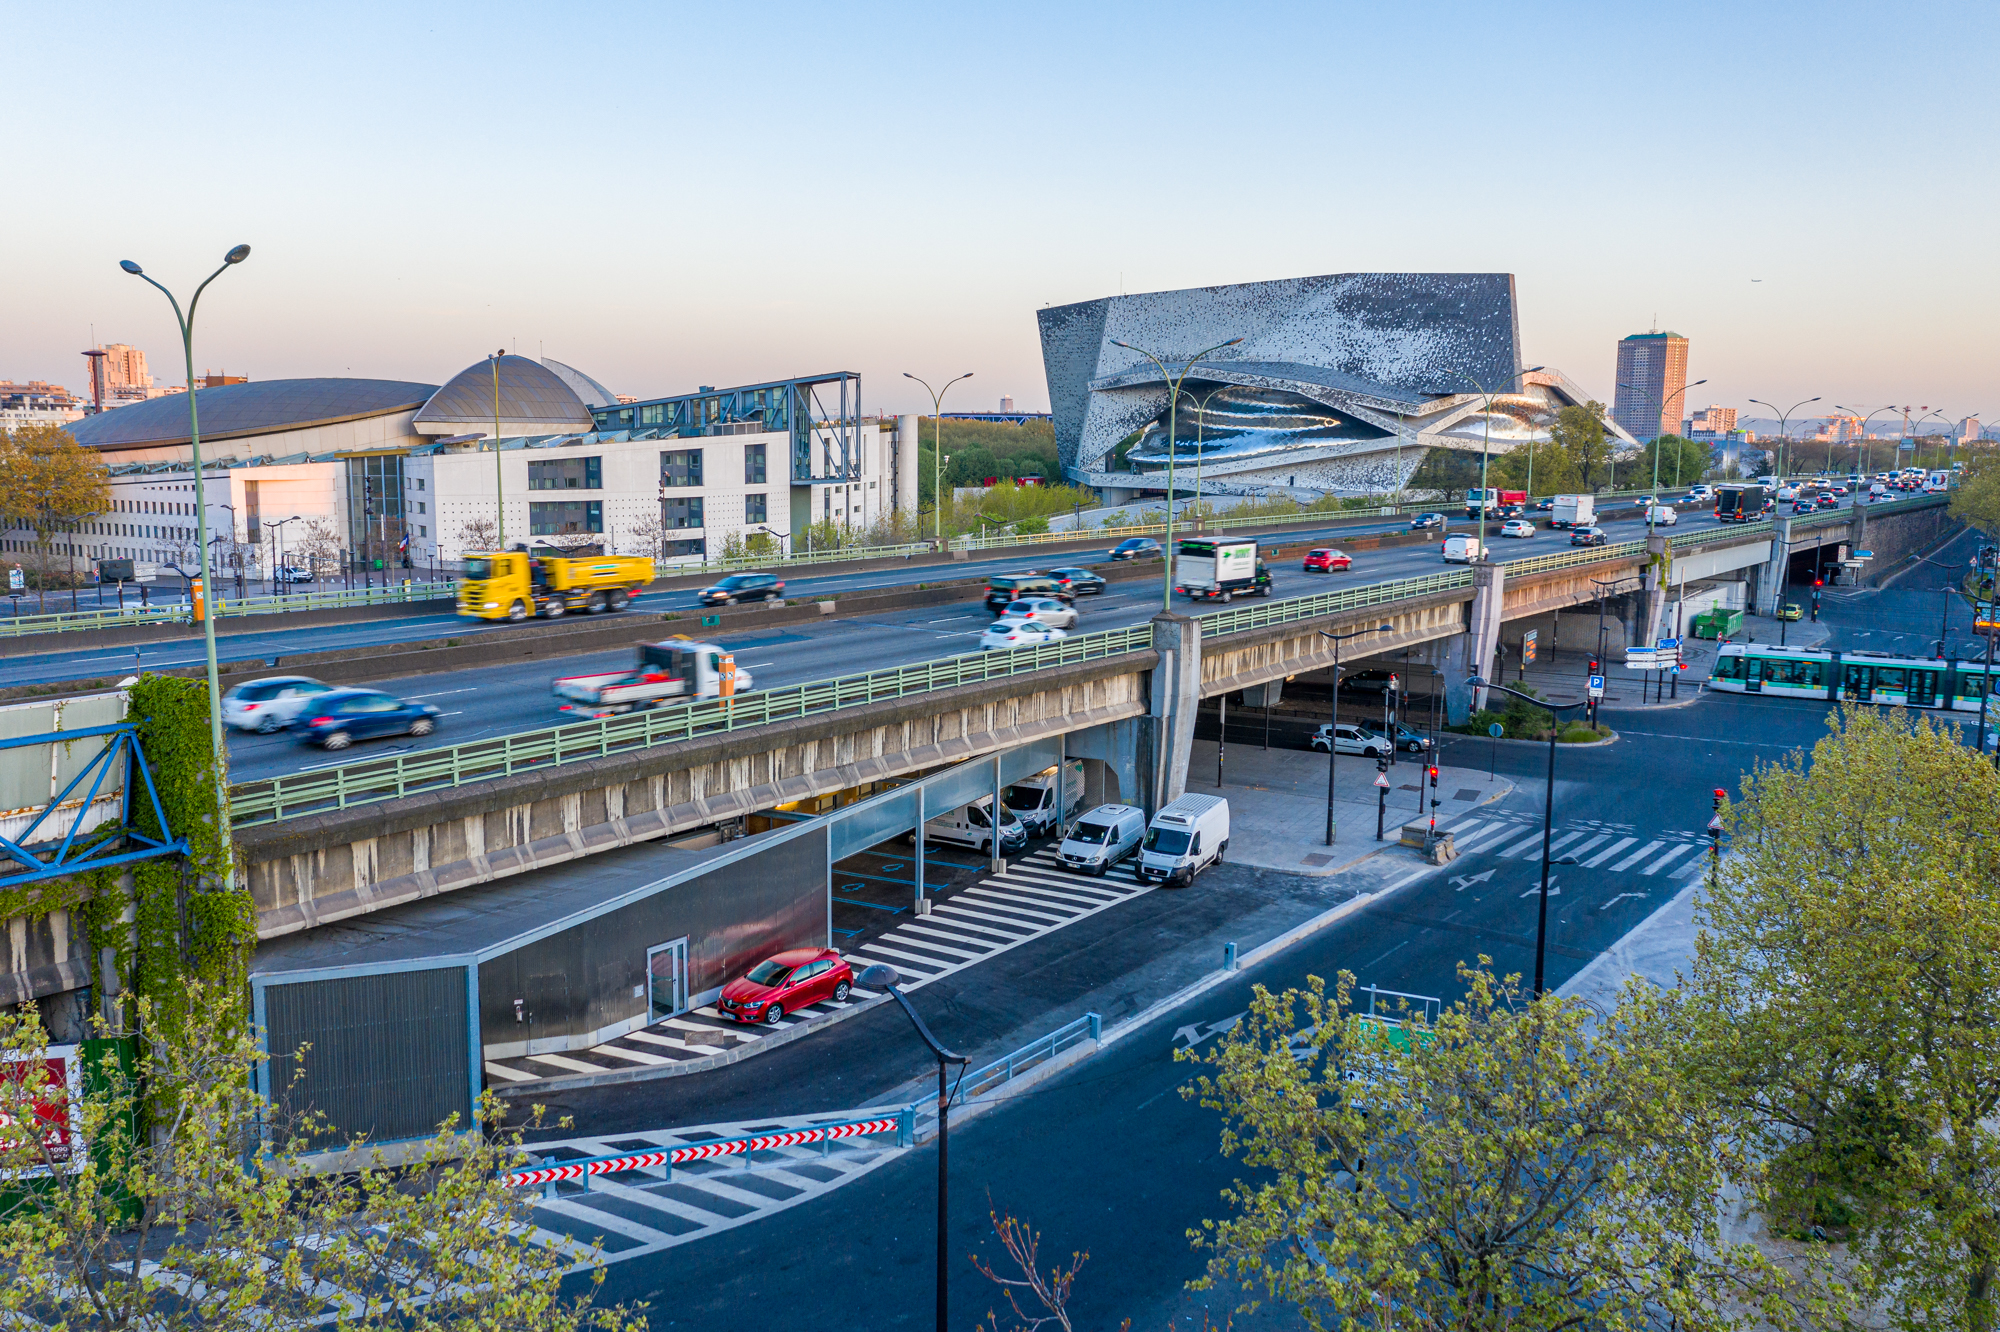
[512, 585]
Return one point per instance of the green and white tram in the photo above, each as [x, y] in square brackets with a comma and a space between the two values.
[1856, 677]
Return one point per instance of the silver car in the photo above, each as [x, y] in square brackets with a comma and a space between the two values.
[1043, 610]
[271, 703]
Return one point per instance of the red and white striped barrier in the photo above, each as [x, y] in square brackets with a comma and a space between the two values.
[545, 1175]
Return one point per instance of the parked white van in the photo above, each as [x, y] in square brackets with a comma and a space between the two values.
[1102, 838]
[1033, 800]
[1185, 838]
[1662, 515]
[1463, 549]
[972, 825]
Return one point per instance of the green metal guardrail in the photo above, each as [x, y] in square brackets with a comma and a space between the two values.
[226, 608]
[368, 780]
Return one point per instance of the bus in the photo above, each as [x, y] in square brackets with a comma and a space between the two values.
[1855, 677]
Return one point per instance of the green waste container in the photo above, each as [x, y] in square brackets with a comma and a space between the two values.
[1717, 623]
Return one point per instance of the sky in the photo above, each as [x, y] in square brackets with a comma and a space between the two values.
[670, 195]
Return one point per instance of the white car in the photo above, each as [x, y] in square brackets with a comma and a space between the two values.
[1351, 740]
[1045, 610]
[1011, 633]
[1517, 527]
[271, 703]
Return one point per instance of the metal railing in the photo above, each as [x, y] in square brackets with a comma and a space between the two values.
[666, 567]
[979, 1081]
[225, 608]
[1329, 603]
[367, 781]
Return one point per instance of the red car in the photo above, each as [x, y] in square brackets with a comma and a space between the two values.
[1327, 561]
[785, 984]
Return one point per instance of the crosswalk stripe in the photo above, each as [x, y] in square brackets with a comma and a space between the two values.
[1000, 902]
[1519, 847]
[1488, 839]
[650, 1039]
[901, 937]
[1067, 880]
[1672, 855]
[1562, 841]
[1057, 888]
[507, 1074]
[953, 908]
[634, 1056]
[598, 1216]
[1609, 852]
[1637, 856]
[1595, 841]
[947, 927]
[1035, 892]
[923, 963]
[573, 1065]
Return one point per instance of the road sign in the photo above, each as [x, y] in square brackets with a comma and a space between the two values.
[1597, 686]
[1642, 659]
[1496, 730]
[1667, 644]
[1382, 779]
[1715, 823]
[15, 582]
[1864, 554]
[1528, 647]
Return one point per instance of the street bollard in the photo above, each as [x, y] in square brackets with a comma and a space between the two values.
[1229, 957]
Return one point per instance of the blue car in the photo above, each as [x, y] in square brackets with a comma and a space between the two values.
[339, 717]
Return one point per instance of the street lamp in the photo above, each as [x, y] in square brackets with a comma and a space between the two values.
[881, 977]
[1200, 422]
[1174, 383]
[1548, 811]
[1785, 439]
[1862, 432]
[1486, 442]
[1333, 718]
[1660, 409]
[937, 450]
[226, 871]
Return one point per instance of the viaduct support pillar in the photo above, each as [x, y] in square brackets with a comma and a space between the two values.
[1659, 565]
[1771, 577]
[1175, 696]
[1480, 643]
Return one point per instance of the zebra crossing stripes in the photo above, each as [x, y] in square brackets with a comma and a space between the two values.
[1629, 861]
[1000, 912]
[1609, 852]
[1503, 838]
[1673, 854]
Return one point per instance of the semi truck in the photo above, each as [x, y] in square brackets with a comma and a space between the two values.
[1573, 511]
[1739, 504]
[1499, 503]
[664, 673]
[1208, 568]
[516, 584]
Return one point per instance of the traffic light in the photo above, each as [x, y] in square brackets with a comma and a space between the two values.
[1381, 764]
[1593, 667]
[1392, 683]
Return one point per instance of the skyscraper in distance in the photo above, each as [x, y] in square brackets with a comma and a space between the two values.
[1652, 370]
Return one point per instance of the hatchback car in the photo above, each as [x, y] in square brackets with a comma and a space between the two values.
[1803, 506]
[1408, 738]
[339, 717]
[1790, 611]
[1544, 506]
[1424, 521]
[1828, 502]
[269, 704]
[1003, 589]
[1517, 527]
[1327, 560]
[785, 983]
[1348, 739]
[1587, 536]
[1366, 682]
[1045, 610]
[742, 587]
[1078, 582]
[1135, 548]
[1005, 633]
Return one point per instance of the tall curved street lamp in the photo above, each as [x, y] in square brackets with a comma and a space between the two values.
[1200, 424]
[1333, 717]
[1785, 440]
[1174, 383]
[1862, 432]
[1660, 413]
[1486, 442]
[937, 450]
[216, 751]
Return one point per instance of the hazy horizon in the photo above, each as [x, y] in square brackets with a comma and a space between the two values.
[671, 196]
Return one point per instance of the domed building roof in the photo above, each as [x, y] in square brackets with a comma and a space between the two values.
[533, 400]
[256, 408]
[593, 393]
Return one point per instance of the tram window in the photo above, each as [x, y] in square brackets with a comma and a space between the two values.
[1781, 672]
[1889, 677]
[1809, 674]
[1728, 668]
[1860, 677]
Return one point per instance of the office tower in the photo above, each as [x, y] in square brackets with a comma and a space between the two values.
[1652, 371]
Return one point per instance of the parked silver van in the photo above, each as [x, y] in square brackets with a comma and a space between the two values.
[972, 825]
[1185, 838]
[1102, 838]
[1033, 799]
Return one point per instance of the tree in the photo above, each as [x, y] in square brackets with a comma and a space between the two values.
[479, 534]
[165, 1221]
[1845, 1002]
[318, 544]
[1499, 1169]
[53, 485]
[1976, 498]
[1577, 439]
[1682, 462]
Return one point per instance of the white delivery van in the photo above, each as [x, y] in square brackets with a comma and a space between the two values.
[1185, 838]
[1033, 800]
[1662, 515]
[1102, 838]
[972, 825]
[1463, 549]
[1573, 511]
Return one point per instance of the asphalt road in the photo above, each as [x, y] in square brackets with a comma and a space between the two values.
[1111, 1158]
[486, 702]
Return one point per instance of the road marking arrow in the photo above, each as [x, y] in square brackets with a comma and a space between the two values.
[1553, 890]
[1195, 1033]
[1461, 882]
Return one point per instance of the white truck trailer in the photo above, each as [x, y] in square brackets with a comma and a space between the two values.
[664, 673]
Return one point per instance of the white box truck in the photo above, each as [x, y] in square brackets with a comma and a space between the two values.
[1573, 511]
[1033, 799]
[1185, 838]
[1207, 568]
[664, 673]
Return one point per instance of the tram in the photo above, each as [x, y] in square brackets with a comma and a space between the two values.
[1855, 677]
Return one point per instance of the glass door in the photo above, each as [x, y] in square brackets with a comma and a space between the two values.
[1923, 689]
[666, 980]
[1753, 675]
[1861, 684]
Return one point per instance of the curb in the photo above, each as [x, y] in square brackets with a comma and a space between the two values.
[744, 1050]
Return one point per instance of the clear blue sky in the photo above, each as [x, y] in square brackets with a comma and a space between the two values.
[670, 195]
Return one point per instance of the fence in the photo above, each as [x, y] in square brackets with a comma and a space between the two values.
[979, 1081]
[547, 1175]
[225, 608]
[371, 780]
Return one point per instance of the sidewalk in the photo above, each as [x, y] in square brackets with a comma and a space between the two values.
[1625, 690]
[1659, 949]
[1277, 803]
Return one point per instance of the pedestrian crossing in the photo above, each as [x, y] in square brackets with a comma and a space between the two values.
[1034, 897]
[1594, 845]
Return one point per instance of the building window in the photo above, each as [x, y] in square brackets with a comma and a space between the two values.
[681, 468]
[565, 517]
[566, 474]
[681, 512]
[753, 464]
[698, 546]
[651, 414]
[754, 510]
